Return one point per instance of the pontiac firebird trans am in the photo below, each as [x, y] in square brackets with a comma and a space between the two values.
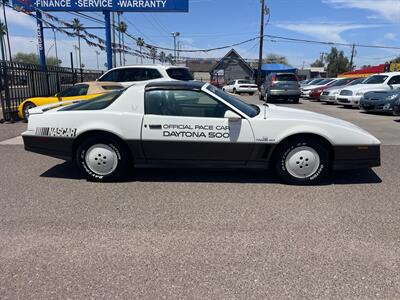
[192, 124]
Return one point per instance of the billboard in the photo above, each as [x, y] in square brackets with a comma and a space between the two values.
[105, 5]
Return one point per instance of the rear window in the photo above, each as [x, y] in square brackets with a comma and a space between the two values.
[97, 103]
[244, 82]
[180, 74]
[286, 77]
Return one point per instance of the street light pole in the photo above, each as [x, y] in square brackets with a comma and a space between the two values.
[55, 47]
[260, 54]
[97, 59]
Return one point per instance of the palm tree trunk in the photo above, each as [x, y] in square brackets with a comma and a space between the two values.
[141, 55]
[80, 56]
[7, 35]
[123, 48]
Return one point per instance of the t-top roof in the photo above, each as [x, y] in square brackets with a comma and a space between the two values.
[175, 85]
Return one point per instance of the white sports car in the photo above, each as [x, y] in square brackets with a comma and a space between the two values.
[192, 124]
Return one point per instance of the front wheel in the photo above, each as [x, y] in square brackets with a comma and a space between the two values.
[102, 159]
[302, 161]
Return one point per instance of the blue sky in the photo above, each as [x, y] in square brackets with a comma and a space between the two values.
[213, 23]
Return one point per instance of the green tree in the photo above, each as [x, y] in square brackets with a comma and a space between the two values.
[153, 54]
[318, 64]
[33, 58]
[77, 27]
[162, 56]
[396, 60]
[170, 58]
[273, 58]
[337, 62]
[123, 28]
[140, 44]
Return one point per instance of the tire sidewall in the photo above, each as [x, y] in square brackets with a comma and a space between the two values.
[122, 159]
[317, 176]
[24, 109]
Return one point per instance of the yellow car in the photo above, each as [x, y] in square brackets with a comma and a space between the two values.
[80, 91]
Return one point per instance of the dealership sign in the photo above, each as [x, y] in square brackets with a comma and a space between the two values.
[105, 5]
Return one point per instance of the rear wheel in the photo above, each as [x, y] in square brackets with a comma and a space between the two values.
[302, 161]
[296, 100]
[102, 159]
[261, 97]
[235, 91]
[251, 94]
[26, 108]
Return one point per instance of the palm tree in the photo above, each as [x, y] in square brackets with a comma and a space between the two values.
[170, 58]
[140, 44]
[122, 28]
[153, 54]
[162, 57]
[77, 26]
[7, 2]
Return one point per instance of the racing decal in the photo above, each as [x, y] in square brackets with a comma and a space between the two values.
[56, 132]
[196, 131]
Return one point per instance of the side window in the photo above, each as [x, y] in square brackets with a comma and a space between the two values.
[110, 76]
[139, 74]
[183, 103]
[76, 90]
[394, 80]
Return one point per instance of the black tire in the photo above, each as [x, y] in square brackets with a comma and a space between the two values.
[261, 97]
[296, 100]
[285, 149]
[123, 160]
[27, 106]
[234, 91]
[251, 94]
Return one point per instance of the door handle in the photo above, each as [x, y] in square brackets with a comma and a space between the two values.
[155, 127]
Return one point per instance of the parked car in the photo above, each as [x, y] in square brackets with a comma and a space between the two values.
[306, 90]
[396, 107]
[280, 86]
[330, 94]
[80, 91]
[130, 75]
[379, 101]
[312, 82]
[195, 124]
[240, 86]
[316, 93]
[351, 96]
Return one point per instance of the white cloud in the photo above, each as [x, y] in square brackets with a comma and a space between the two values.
[387, 9]
[391, 36]
[19, 19]
[323, 32]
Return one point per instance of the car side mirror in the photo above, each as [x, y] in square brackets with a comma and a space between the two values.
[232, 116]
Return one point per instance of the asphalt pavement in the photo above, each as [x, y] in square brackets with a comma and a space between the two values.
[190, 234]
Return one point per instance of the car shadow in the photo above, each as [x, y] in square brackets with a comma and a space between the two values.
[68, 170]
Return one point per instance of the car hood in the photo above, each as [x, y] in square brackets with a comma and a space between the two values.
[381, 94]
[281, 112]
[366, 87]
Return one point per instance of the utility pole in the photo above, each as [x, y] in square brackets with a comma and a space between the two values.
[175, 35]
[119, 37]
[55, 46]
[323, 58]
[353, 54]
[264, 10]
[113, 39]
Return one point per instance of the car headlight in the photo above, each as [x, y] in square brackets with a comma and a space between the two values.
[360, 94]
[392, 97]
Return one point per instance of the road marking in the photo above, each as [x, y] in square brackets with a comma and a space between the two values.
[14, 141]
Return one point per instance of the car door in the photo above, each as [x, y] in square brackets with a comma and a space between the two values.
[394, 82]
[186, 125]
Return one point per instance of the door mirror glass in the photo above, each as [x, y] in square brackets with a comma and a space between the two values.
[232, 116]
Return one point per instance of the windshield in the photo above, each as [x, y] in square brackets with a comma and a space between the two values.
[180, 74]
[340, 82]
[357, 81]
[376, 79]
[315, 81]
[97, 103]
[249, 110]
[325, 81]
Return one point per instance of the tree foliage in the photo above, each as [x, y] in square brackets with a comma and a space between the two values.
[274, 58]
[337, 62]
[318, 64]
[33, 58]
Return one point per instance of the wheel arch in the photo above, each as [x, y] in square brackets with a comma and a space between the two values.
[95, 133]
[314, 136]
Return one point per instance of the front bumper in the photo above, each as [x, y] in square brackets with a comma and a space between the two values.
[328, 98]
[348, 100]
[356, 157]
[58, 147]
[376, 106]
[305, 94]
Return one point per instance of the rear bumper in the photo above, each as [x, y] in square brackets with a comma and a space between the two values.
[284, 94]
[356, 157]
[247, 90]
[50, 146]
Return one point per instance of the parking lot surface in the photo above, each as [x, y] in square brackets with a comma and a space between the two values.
[184, 234]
